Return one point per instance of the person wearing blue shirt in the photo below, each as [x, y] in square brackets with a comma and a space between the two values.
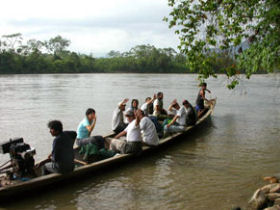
[85, 128]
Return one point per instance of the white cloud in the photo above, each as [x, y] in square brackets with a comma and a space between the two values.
[92, 26]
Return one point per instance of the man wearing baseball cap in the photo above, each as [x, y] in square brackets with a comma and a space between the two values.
[133, 142]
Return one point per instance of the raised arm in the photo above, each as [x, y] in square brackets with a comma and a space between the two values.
[137, 116]
[124, 101]
[91, 127]
[171, 105]
[152, 99]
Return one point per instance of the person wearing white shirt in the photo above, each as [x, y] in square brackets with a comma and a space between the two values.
[118, 124]
[147, 107]
[148, 130]
[133, 142]
[173, 108]
[159, 111]
[184, 116]
[181, 116]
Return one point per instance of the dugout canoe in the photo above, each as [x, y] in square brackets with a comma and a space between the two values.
[23, 189]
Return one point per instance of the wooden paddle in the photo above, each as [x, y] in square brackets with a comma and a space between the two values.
[6, 167]
[80, 162]
[5, 164]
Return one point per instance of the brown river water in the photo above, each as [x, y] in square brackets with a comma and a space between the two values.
[218, 166]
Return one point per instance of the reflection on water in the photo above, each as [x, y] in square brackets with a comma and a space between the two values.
[217, 167]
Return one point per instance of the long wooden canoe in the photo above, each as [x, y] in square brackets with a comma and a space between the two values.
[22, 189]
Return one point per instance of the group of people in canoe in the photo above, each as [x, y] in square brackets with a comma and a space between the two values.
[141, 126]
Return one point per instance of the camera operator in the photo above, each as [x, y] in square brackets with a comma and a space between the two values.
[62, 156]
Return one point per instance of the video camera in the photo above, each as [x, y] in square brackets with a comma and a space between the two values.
[15, 146]
[21, 155]
[5, 147]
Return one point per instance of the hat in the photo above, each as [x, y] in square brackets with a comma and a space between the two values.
[129, 112]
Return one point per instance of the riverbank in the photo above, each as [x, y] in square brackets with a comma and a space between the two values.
[268, 196]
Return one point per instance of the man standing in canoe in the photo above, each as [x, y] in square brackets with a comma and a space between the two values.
[201, 98]
[118, 124]
[62, 156]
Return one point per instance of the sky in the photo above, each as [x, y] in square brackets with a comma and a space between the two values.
[92, 26]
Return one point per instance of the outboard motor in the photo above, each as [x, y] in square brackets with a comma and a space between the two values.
[22, 161]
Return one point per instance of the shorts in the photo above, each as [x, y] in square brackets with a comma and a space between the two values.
[125, 147]
[99, 141]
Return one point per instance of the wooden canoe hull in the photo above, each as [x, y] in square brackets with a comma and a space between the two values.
[22, 189]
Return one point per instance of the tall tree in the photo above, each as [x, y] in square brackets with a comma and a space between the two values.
[34, 45]
[11, 41]
[57, 44]
[204, 26]
[114, 53]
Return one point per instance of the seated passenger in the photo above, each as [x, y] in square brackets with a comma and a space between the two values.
[118, 124]
[133, 142]
[85, 128]
[172, 111]
[185, 116]
[148, 130]
[147, 107]
[173, 108]
[134, 104]
[62, 156]
[158, 107]
[200, 99]
[159, 126]
[191, 114]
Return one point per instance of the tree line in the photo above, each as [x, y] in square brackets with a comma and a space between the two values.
[53, 56]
